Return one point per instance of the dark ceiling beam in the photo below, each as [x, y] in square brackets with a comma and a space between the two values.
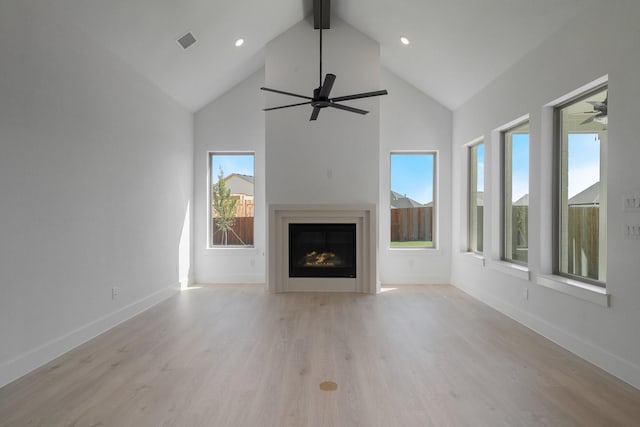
[326, 14]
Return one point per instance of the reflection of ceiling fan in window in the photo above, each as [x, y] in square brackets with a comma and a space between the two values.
[599, 112]
[320, 98]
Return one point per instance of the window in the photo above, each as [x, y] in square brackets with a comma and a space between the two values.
[580, 209]
[515, 194]
[476, 196]
[412, 199]
[231, 202]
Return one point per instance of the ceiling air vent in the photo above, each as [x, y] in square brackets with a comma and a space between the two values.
[186, 40]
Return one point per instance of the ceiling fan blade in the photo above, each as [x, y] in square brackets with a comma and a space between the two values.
[325, 90]
[595, 117]
[346, 108]
[359, 95]
[285, 93]
[287, 106]
[314, 113]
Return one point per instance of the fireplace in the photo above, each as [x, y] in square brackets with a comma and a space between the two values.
[346, 232]
[322, 250]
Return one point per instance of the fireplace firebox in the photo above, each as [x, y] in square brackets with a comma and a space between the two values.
[322, 250]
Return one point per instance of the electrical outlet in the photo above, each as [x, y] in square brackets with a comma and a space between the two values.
[631, 231]
[631, 203]
[115, 291]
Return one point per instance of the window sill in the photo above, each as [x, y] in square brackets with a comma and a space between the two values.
[236, 250]
[430, 249]
[474, 257]
[517, 270]
[575, 288]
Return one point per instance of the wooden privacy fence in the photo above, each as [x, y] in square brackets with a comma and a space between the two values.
[583, 234]
[242, 233]
[519, 234]
[412, 224]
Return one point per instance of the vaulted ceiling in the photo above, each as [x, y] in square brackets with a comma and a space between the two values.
[457, 46]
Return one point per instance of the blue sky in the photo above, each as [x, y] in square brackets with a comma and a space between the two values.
[584, 161]
[412, 174]
[480, 154]
[232, 163]
[520, 165]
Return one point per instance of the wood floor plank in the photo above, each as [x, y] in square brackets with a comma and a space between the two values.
[237, 356]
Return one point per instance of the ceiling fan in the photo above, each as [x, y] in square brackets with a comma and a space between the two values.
[320, 98]
[599, 110]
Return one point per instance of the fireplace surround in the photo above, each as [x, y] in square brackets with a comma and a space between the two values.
[337, 222]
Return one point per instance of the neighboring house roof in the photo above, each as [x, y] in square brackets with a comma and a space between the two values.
[522, 201]
[402, 201]
[239, 184]
[247, 178]
[589, 196]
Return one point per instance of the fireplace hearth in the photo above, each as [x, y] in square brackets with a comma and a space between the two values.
[322, 250]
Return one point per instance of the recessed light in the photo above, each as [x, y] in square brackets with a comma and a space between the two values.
[239, 42]
[405, 41]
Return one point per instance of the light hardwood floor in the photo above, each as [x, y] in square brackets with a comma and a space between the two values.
[236, 356]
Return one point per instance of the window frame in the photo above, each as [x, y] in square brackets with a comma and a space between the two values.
[557, 203]
[209, 216]
[434, 210]
[503, 184]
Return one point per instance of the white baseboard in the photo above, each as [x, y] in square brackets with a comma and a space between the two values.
[616, 366]
[228, 279]
[39, 356]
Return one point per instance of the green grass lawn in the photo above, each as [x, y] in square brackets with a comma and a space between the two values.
[416, 244]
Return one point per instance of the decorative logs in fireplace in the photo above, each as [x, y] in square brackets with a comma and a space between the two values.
[322, 250]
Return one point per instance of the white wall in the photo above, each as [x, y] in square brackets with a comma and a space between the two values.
[410, 120]
[95, 184]
[233, 122]
[340, 158]
[600, 41]
[334, 159]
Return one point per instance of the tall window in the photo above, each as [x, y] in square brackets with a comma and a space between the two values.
[476, 196]
[231, 199]
[412, 199]
[515, 194]
[580, 231]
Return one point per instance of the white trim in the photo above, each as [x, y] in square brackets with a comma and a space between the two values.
[39, 356]
[513, 269]
[575, 288]
[426, 250]
[208, 170]
[364, 216]
[473, 142]
[435, 196]
[600, 81]
[513, 123]
[234, 250]
[474, 257]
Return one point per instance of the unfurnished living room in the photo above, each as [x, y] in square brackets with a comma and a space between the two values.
[319, 213]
